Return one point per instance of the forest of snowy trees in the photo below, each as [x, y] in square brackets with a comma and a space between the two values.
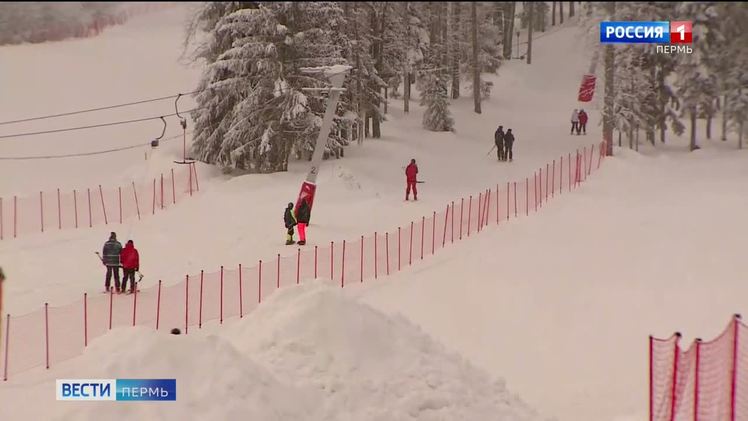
[254, 116]
[654, 92]
[50, 21]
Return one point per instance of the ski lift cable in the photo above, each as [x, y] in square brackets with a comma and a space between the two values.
[114, 123]
[72, 155]
[89, 110]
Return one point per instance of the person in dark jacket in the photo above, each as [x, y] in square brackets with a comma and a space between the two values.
[290, 220]
[130, 260]
[499, 140]
[110, 259]
[302, 218]
[411, 177]
[508, 143]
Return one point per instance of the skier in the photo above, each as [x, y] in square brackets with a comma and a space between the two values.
[110, 259]
[508, 142]
[411, 174]
[302, 219]
[130, 264]
[582, 122]
[290, 220]
[574, 121]
[499, 139]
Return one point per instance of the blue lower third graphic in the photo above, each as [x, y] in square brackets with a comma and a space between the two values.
[117, 389]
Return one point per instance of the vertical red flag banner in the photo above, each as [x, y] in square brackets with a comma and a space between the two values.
[587, 88]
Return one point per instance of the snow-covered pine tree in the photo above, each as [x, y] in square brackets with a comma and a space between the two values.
[252, 112]
[433, 79]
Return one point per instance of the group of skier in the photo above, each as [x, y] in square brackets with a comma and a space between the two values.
[578, 121]
[504, 143]
[297, 218]
[114, 257]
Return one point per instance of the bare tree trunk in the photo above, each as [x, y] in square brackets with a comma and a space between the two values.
[630, 135]
[406, 65]
[637, 139]
[509, 31]
[662, 103]
[709, 126]
[476, 66]
[652, 100]
[724, 119]
[740, 135]
[692, 146]
[609, 87]
[529, 32]
[571, 9]
[455, 34]
[553, 14]
[542, 19]
[619, 139]
[561, 12]
[379, 64]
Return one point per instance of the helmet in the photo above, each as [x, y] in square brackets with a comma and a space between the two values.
[290, 204]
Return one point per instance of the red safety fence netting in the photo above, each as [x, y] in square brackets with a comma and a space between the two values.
[54, 334]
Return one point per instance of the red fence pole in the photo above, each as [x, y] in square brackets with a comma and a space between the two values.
[673, 386]
[527, 196]
[410, 255]
[515, 200]
[173, 188]
[452, 223]
[154, 197]
[90, 218]
[197, 179]
[651, 377]
[362, 258]
[342, 272]
[376, 256]
[423, 233]
[158, 304]
[7, 342]
[592, 151]
[59, 210]
[190, 178]
[15, 216]
[162, 191]
[462, 206]
[433, 233]
[41, 211]
[734, 374]
[480, 212]
[599, 156]
[85, 319]
[315, 262]
[111, 304]
[134, 305]
[46, 332]
[241, 296]
[278, 274]
[488, 209]
[553, 180]
[547, 167]
[1, 223]
[220, 305]
[444, 235]
[387, 250]
[259, 283]
[535, 188]
[508, 193]
[186, 302]
[298, 266]
[569, 160]
[101, 195]
[561, 176]
[332, 263]
[135, 192]
[696, 381]
[200, 303]
[498, 208]
[119, 194]
[470, 211]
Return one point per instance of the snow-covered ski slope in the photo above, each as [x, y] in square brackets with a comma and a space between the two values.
[559, 305]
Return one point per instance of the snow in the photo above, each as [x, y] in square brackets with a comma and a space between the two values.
[559, 305]
[308, 353]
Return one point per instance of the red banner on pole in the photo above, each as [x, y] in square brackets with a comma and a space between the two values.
[587, 88]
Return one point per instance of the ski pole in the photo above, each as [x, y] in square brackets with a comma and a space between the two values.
[489, 152]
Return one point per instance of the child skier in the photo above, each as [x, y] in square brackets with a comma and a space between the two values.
[290, 220]
[130, 264]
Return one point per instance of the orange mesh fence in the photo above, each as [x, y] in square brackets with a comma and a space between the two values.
[54, 334]
[61, 210]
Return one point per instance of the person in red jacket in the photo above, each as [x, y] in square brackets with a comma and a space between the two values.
[411, 175]
[130, 260]
[582, 122]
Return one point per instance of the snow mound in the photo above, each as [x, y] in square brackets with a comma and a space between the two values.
[214, 381]
[370, 366]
